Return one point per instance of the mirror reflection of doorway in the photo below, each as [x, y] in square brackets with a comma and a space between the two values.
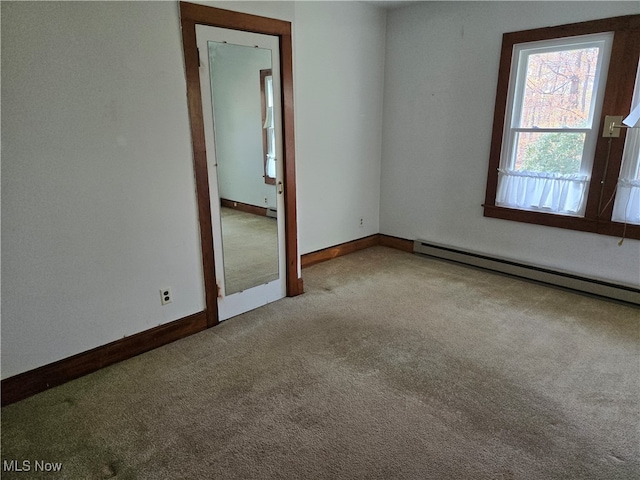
[244, 145]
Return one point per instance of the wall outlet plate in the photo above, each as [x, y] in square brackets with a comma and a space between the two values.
[166, 296]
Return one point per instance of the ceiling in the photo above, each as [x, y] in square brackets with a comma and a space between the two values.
[390, 4]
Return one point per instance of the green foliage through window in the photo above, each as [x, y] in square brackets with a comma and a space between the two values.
[554, 153]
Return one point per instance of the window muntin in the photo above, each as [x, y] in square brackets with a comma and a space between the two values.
[550, 131]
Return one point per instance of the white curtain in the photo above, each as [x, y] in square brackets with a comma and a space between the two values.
[269, 125]
[549, 192]
[271, 144]
[626, 207]
[268, 121]
[271, 166]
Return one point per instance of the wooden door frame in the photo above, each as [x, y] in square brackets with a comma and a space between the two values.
[190, 15]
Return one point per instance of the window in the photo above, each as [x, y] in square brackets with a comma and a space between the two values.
[549, 133]
[268, 127]
[549, 163]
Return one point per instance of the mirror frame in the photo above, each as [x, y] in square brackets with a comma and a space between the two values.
[190, 15]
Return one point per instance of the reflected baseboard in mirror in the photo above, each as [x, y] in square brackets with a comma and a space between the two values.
[250, 250]
[245, 207]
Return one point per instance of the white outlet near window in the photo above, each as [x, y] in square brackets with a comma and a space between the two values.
[166, 296]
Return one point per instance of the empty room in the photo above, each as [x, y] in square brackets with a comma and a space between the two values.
[320, 240]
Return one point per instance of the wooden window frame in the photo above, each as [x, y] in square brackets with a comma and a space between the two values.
[623, 65]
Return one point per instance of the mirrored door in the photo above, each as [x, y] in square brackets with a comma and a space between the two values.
[239, 78]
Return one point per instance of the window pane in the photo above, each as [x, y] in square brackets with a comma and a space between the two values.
[559, 88]
[549, 152]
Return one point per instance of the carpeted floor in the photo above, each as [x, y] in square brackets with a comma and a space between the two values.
[250, 244]
[390, 366]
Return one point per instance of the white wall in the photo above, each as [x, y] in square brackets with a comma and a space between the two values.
[98, 198]
[440, 81]
[339, 75]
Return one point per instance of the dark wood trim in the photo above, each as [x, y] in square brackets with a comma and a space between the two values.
[395, 242]
[318, 256]
[325, 254]
[217, 17]
[194, 101]
[243, 207]
[190, 15]
[574, 29]
[617, 100]
[603, 227]
[499, 114]
[539, 218]
[617, 229]
[29, 383]
[290, 208]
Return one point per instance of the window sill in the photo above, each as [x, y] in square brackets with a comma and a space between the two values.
[603, 227]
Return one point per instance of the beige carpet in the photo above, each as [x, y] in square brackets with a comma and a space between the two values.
[250, 245]
[390, 366]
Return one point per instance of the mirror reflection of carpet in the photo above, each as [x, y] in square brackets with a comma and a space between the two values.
[250, 249]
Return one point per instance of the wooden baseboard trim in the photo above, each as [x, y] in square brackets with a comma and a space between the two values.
[29, 383]
[312, 258]
[243, 207]
[396, 242]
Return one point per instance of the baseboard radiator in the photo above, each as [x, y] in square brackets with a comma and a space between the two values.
[590, 286]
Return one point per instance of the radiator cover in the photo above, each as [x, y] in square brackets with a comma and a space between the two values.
[569, 281]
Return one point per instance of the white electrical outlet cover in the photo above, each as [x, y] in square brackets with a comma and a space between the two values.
[166, 296]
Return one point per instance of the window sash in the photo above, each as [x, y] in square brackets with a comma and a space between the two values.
[508, 179]
[520, 59]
